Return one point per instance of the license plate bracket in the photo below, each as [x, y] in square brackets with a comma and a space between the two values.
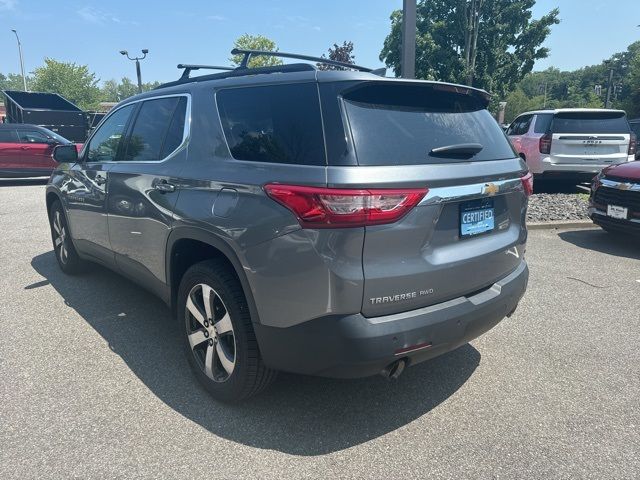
[615, 211]
[477, 217]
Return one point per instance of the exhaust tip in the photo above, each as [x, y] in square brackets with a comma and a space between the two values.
[394, 370]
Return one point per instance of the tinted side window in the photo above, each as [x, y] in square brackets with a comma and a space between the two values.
[150, 129]
[8, 136]
[105, 143]
[590, 122]
[543, 122]
[277, 123]
[175, 134]
[32, 136]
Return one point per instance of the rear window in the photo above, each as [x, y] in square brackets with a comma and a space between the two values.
[275, 124]
[402, 124]
[590, 122]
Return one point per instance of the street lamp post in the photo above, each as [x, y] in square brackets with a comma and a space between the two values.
[24, 79]
[137, 60]
[408, 62]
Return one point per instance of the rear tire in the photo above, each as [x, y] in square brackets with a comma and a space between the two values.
[218, 334]
[68, 259]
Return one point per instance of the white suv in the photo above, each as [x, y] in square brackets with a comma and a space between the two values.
[572, 143]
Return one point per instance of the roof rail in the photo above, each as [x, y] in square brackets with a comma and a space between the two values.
[255, 53]
[188, 68]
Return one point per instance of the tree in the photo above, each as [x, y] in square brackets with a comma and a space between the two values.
[492, 43]
[73, 82]
[112, 91]
[340, 53]
[256, 42]
[12, 81]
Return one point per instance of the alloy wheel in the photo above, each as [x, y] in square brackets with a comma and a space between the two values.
[210, 333]
[60, 237]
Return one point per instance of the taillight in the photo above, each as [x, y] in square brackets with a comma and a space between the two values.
[527, 183]
[545, 143]
[318, 207]
[633, 145]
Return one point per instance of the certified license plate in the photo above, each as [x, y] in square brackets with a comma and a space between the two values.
[615, 211]
[476, 218]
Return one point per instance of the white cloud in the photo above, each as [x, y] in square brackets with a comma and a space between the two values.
[217, 18]
[93, 15]
[8, 4]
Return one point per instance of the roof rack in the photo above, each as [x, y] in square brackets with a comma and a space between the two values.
[255, 53]
[243, 68]
[188, 68]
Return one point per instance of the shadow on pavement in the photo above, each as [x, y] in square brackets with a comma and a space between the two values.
[297, 415]
[556, 186]
[610, 243]
[23, 182]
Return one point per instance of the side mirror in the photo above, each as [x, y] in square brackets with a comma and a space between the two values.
[65, 154]
[52, 142]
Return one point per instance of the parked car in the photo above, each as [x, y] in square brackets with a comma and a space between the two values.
[572, 144]
[26, 150]
[332, 223]
[614, 203]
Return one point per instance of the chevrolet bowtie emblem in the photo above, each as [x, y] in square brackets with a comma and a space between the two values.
[624, 186]
[490, 189]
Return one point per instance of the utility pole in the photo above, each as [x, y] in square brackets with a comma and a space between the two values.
[137, 60]
[408, 65]
[609, 85]
[471, 38]
[24, 79]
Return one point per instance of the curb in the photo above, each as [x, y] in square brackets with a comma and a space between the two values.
[574, 224]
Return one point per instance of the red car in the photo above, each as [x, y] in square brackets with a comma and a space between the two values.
[25, 150]
[615, 198]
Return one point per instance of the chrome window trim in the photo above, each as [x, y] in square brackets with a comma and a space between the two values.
[458, 193]
[186, 133]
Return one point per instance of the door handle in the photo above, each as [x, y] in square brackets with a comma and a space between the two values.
[164, 187]
[100, 180]
[24, 148]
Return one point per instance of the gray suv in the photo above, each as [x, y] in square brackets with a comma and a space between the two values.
[333, 223]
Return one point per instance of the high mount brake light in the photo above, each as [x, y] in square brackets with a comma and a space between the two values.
[319, 207]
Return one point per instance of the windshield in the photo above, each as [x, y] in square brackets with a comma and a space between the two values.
[590, 122]
[402, 125]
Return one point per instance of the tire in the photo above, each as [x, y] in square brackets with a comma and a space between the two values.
[66, 254]
[219, 341]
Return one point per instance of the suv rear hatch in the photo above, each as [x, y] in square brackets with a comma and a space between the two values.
[590, 137]
[469, 229]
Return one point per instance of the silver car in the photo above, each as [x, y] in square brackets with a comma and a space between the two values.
[333, 223]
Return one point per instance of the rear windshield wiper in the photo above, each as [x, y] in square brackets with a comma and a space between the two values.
[459, 150]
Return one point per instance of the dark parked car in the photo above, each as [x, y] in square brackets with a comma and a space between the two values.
[331, 223]
[26, 150]
[615, 198]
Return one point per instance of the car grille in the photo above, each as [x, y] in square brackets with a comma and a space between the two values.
[614, 196]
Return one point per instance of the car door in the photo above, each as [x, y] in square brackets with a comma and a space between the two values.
[143, 189]
[9, 151]
[36, 149]
[518, 130]
[85, 190]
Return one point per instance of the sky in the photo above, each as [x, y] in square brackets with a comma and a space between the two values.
[198, 31]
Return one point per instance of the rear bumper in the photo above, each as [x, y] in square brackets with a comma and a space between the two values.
[355, 346]
[551, 165]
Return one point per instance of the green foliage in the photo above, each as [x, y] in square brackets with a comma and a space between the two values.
[256, 42]
[508, 44]
[73, 82]
[13, 81]
[114, 91]
[577, 89]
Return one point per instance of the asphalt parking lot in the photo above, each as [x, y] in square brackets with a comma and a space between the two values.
[93, 383]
